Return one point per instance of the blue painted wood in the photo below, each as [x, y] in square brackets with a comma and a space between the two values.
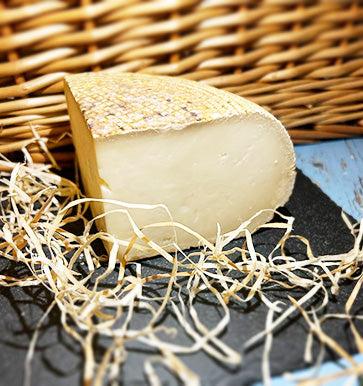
[325, 369]
[337, 168]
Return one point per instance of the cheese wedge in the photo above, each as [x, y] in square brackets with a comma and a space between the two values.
[208, 155]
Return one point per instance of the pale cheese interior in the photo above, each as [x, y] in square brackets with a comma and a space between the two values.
[223, 171]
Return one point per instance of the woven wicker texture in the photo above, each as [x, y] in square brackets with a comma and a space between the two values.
[302, 60]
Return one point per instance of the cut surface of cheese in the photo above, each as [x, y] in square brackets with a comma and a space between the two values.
[209, 156]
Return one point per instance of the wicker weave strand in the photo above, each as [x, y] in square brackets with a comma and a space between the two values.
[302, 60]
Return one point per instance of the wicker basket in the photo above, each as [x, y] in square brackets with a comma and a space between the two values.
[301, 59]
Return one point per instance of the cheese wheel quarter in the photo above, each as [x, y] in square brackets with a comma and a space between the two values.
[208, 155]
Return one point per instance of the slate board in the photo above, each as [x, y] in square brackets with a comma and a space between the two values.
[58, 359]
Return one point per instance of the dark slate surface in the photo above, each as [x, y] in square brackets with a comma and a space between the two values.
[58, 359]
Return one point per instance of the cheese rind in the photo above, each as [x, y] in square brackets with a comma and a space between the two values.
[119, 103]
[221, 164]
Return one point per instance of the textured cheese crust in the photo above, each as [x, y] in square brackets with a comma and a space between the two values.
[117, 103]
[209, 155]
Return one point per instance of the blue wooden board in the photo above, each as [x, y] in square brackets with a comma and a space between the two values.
[337, 168]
